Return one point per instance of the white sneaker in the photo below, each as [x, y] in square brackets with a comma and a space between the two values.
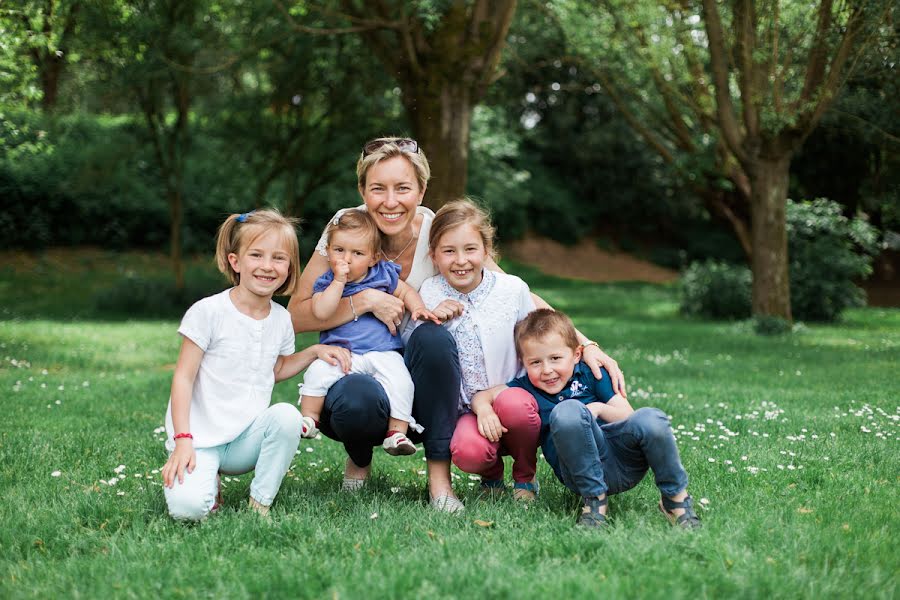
[398, 444]
[308, 429]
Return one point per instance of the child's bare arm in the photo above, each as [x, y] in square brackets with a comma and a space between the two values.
[414, 303]
[183, 457]
[325, 303]
[616, 409]
[289, 365]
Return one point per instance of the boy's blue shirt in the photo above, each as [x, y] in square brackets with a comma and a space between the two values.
[582, 386]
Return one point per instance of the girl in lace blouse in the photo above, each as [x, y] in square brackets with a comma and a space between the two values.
[480, 308]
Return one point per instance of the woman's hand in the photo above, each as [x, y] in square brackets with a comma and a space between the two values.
[489, 425]
[386, 308]
[595, 358]
[448, 309]
[184, 457]
[334, 355]
[423, 314]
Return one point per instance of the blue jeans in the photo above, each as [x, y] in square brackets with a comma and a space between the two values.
[267, 445]
[356, 409]
[592, 459]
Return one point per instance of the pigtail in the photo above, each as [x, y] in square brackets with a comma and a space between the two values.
[227, 243]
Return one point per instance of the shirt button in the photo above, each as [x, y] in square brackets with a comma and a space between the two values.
[561, 398]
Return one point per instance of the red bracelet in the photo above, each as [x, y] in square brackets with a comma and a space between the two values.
[179, 436]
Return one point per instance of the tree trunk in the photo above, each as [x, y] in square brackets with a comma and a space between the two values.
[49, 73]
[441, 115]
[771, 285]
[176, 218]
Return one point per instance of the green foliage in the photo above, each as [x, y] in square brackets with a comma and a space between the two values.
[828, 254]
[716, 290]
[138, 296]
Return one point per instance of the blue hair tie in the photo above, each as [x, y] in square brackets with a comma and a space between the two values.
[241, 218]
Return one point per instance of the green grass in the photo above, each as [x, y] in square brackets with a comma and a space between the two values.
[792, 440]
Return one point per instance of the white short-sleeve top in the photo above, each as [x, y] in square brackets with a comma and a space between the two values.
[422, 265]
[237, 373]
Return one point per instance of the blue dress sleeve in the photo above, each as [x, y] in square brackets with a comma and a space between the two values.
[323, 281]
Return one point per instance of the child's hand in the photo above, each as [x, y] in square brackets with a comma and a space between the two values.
[423, 314]
[341, 269]
[334, 355]
[489, 425]
[448, 309]
[184, 457]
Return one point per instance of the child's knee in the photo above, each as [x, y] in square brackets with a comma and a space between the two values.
[285, 419]
[187, 506]
[517, 409]
[651, 422]
[471, 458]
[568, 415]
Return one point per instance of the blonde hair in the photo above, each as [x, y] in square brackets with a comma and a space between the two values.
[240, 230]
[389, 149]
[456, 214]
[542, 322]
[356, 220]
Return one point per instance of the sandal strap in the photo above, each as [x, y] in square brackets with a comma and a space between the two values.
[687, 504]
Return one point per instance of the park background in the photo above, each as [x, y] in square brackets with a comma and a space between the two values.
[730, 169]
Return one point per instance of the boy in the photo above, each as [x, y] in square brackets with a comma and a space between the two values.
[596, 443]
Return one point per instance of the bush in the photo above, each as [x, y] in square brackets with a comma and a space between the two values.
[827, 252]
[716, 289]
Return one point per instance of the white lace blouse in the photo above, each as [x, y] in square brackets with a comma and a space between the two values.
[484, 332]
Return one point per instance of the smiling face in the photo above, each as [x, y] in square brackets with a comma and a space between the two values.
[392, 193]
[459, 256]
[263, 265]
[355, 248]
[549, 361]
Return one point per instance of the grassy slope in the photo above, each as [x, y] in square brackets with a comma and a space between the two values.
[809, 512]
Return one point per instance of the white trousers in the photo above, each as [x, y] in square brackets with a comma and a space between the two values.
[387, 368]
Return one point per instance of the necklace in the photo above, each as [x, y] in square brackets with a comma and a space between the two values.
[405, 248]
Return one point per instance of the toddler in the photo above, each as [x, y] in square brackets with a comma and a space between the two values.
[353, 246]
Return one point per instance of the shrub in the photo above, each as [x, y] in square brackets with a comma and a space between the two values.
[827, 252]
[716, 289]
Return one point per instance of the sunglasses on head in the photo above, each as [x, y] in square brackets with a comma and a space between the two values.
[405, 145]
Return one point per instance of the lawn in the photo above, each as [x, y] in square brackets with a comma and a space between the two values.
[790, 443]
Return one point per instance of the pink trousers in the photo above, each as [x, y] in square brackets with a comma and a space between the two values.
[473, 453]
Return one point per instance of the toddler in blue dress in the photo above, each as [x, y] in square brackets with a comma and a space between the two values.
[353, 246]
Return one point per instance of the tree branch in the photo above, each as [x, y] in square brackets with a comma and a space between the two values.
[745, 23]
[818, 53]
[728, 123]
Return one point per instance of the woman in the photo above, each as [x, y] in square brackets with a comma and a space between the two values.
[392, 175]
